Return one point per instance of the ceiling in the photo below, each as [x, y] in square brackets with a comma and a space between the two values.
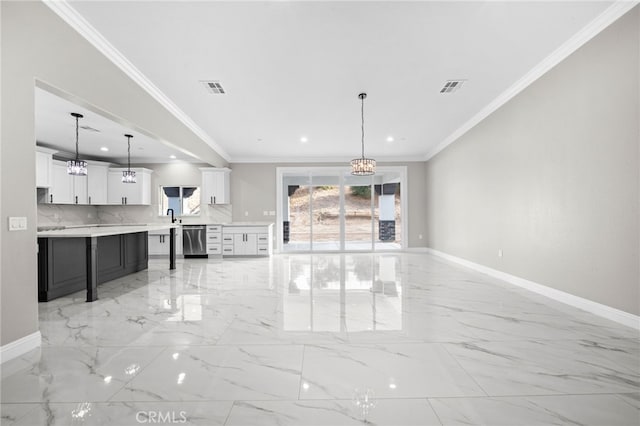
[292, 71]
[56, 128]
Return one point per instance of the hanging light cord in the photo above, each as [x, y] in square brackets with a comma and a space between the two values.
[129, 153]
[77, 144]
[362, 113]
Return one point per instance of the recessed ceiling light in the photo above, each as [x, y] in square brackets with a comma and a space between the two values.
[304, 139]
[104, 148]
[389, 138]
[173, 157]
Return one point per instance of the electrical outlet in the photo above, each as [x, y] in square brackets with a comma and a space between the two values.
[272, 212]
[17, 223]
[499, 252]
[419, 236]
[246, 213]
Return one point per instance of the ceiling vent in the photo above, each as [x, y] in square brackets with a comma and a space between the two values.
[89, 129]
[214, 87]
[451, 86]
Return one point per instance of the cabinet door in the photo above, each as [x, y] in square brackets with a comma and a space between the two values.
[114, 188]
[61, 191]
[128, 193]
[80, 189]
[159, 244]
[251, 244]
[43, 169]
[215, 187]
[97, 184]
[238, 244]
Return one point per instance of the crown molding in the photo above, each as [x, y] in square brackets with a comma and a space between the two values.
[316, 160]
[606, 18]
[76, 21]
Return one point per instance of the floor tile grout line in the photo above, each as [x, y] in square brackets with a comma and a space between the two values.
[463, 369]
[434, 411]
[164, 349]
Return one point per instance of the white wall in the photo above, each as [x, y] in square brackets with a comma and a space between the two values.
[552, 178]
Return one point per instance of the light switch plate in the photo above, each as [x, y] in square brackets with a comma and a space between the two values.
[17, 223]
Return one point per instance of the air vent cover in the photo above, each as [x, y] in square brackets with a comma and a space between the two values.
[89, 129]
[451, 86]
[214, 87]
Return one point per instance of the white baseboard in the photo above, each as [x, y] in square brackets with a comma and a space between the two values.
[20, 347]
[416, 249]
[613, 314]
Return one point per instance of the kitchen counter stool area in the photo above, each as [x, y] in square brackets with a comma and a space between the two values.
[74, 259]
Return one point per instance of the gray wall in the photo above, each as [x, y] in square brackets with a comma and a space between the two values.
[253, 190]
[37, 45]
[552, 179]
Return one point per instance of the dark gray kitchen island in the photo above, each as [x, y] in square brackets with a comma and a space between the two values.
[75, 258]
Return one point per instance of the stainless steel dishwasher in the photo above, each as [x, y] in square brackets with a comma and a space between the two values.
[194, 240]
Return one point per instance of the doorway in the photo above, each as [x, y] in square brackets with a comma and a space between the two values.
[326, 209]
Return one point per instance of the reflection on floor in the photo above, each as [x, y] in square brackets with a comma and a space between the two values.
[322, 246]
[393, 339]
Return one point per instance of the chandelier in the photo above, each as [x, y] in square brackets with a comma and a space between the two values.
[363, 166]
[77, 167]
[128, 176]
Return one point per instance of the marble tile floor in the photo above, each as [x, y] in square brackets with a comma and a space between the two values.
[323, 339]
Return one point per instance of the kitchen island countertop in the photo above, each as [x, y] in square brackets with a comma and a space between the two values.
[103, 230]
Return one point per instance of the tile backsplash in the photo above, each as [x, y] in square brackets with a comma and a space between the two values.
[60, 214]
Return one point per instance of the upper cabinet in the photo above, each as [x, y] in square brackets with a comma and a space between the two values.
[119, 192]
[65, 188]
[215, 185]
[44, 159]
[97, 177]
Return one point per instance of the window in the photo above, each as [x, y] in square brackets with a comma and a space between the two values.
[184, 200]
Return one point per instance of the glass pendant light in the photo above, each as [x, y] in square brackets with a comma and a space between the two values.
[77, 167]
[128, 176]
[363, 166]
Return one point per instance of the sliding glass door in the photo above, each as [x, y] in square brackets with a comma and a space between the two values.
[358, 212]
[328, 209]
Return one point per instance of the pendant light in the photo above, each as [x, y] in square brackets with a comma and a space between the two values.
[128, 176]
[363, 166]
[77, 167]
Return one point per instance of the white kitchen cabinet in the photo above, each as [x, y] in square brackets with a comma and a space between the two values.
[247, 240]
[215, 185]
[159, 242]
[66, 188]
[97, 182]
[245, 244]
[129, 193]
[214, 239]
[44, 165]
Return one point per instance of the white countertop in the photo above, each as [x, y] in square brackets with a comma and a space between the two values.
[247, 224]
[103, 230]
[228, 223]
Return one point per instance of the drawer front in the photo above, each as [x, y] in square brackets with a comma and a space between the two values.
[263, 250]
[227, 250]
[214, 249]
[263, 238]
[245, 230]
[214, 238]
[227, 239]
[214, 228]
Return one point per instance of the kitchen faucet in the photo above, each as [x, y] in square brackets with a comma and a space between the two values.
[173, 218]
